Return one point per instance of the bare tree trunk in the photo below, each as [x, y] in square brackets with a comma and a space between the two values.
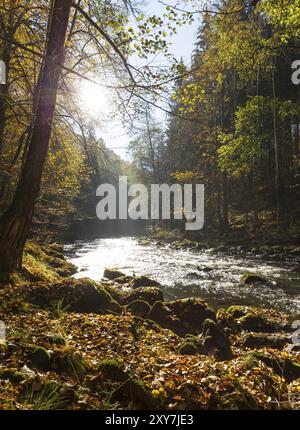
[16, 221]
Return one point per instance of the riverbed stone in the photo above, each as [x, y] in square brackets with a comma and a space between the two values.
[253, 279]
[113, 274]
[182, 316]
[144, 281]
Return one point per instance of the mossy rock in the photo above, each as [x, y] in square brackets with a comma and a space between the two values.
[253, 279]
[113, 274]
[139, 308]
[258, 323]
[41, 359]
[112, 370]
[215, 341]
[78, 295]
[129, 389]
[285, 368]
[124, 280]
[183, 317]
[144, 281]
[114, 292]
[237, 311]
[150, 295]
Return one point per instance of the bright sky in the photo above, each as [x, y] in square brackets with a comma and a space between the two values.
[181, 45]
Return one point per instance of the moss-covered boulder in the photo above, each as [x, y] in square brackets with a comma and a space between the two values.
[258, 324]
[129, 388]
[113, 274]
[77, 295]
[144, 281]
[182, 316]
[150, 295]
[139, 308]
[215, 341]
[254, 279]
[40, 359]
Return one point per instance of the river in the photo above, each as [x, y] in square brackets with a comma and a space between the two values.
[186, 273]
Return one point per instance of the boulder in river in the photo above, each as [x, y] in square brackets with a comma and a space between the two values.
[113, 274]
[144, 281]
[253, 279]
[185, 316]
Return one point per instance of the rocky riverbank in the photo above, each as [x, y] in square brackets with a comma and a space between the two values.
[78, 344]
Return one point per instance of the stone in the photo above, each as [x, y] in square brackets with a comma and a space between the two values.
[144, 281]
[77, 295]
[113, 274]
[252, 279]
[139, 308]
[215, 341]
[185, 316]
[147, 294]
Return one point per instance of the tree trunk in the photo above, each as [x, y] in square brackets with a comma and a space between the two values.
[16, 221]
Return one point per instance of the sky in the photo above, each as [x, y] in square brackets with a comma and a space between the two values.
[181, 46]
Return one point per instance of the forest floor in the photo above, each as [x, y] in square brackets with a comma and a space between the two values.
[76, 344]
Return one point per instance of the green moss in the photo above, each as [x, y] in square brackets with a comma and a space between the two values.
[237, 311]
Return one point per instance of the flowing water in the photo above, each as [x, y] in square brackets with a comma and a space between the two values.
[186, 273]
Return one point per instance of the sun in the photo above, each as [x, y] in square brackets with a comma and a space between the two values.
[93, 99]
